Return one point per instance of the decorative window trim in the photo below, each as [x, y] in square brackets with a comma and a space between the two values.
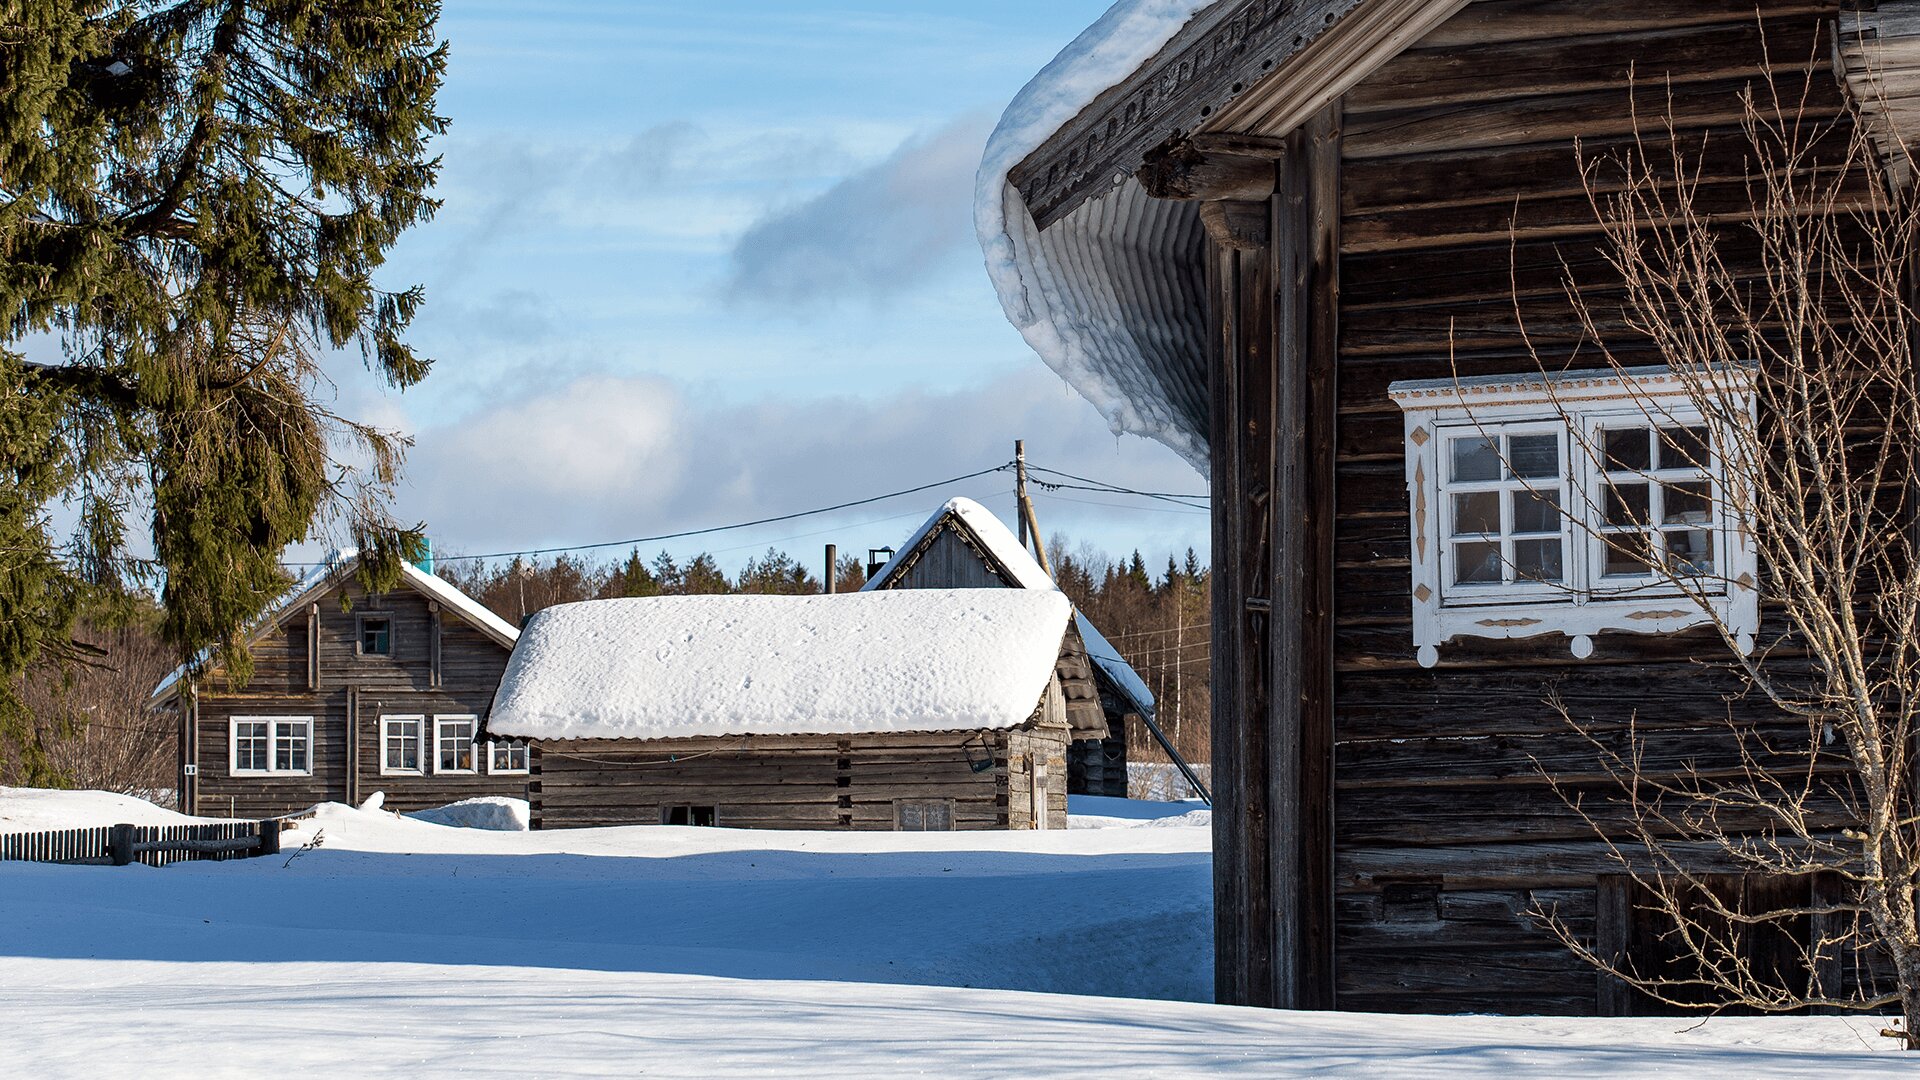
[473, 743]
[526, 755]
[420, 738]
[274, 725]
[1585, 605]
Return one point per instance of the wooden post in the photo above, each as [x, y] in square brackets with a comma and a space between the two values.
[269, 833]
[433, 644]
[1275, 325]
[833, 569]
[120, 845]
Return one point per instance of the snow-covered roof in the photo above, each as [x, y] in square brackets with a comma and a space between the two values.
[321, 577]
[1111, 296]
[855, 663]
[988, 529]
[999, 541]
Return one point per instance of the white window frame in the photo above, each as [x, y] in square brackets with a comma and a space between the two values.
[473, 743]
[1585, 603]
[525, 748]
[387, 723]
[274, 725]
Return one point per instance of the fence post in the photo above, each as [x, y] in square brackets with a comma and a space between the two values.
[120, 844]
[269, 837]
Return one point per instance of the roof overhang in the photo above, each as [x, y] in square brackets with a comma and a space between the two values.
[1106, 283]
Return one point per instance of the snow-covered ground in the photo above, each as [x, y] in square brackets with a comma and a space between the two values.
[399, 947]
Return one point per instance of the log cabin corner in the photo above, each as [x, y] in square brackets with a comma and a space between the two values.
[1275, 242]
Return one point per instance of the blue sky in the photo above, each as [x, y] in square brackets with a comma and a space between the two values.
[704, 263]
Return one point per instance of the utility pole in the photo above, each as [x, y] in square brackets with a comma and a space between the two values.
[1029, 524]
[1020, 486]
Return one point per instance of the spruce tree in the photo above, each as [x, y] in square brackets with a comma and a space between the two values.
[194, 198]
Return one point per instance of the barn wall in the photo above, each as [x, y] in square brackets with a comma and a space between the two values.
[1459, 180]
[354, 690]
[774, 782]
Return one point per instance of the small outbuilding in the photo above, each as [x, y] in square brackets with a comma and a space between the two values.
[965, 546]
[924, 710]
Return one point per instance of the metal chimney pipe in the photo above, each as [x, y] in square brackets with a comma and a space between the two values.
[833, 569]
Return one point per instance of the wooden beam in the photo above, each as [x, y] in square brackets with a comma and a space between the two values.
[1177, 169]
[1237, 226]
[1217, 56]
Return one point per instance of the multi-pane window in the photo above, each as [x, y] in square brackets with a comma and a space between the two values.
[271, 746]
[704, 817]
[1506, 491]
[400, 742]
[922, 815]
[251, 739]
[453, 743]
[376, 636]
[1658, 495]
[1575, 503]
[507, 756]
[1564, 510]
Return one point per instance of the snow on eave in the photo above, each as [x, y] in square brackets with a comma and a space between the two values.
[322, 578]
[1098, 296]
[919, 660]
[1000, 543]
[1126, 680]
[987, 528]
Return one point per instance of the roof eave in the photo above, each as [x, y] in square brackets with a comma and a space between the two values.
[1308, 53]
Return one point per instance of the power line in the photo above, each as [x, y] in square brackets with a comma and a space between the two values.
[1102, 485]
[716, 529]
[1048, 493]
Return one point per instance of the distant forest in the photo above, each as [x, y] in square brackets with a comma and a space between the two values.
[92, 726]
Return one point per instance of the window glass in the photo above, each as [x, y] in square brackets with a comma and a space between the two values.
[376, 637]
[1476, 514]
[1684, 448]
[1534, 457]
[1626, 449]
[508, 756]
[455, 740]
[699, 816]
[1476, 458]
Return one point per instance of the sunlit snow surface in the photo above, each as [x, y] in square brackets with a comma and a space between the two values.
[401, 948]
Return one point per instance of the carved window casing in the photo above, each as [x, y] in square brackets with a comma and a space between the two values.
[1544, 504]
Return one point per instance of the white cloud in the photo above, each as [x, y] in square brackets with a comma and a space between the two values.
[877, 233]
[603, 458]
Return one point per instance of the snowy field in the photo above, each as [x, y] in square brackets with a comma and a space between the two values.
[402, 948]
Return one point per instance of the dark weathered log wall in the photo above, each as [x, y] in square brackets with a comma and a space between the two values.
[353, 692]
[1460, 183]
[795, 781]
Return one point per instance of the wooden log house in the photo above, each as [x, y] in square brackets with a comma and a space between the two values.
[964, 546]
[910, 710]
[1268, 243]
[351, 693]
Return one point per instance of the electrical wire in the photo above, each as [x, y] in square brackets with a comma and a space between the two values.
[716, 529]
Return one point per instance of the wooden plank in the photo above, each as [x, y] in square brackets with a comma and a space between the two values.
[1608, 113]
[1522, 20]
[1510, 70]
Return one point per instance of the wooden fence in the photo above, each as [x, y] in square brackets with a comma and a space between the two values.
[151, 845]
